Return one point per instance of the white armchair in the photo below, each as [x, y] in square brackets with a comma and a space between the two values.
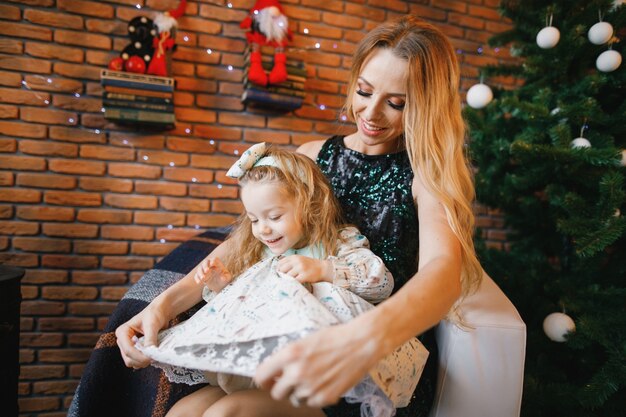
[481, 368]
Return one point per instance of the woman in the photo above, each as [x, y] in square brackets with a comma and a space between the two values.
[402, 178]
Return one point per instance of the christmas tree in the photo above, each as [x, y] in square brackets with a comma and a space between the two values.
[549, 156]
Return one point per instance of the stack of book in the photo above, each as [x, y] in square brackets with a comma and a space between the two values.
[138, 99]
[287, 95]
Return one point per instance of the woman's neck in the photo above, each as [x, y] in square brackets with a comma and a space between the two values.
[354, 142]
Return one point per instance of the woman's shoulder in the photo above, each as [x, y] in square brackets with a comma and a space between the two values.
[311, 149]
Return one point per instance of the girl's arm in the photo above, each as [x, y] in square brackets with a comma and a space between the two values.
[358, 269]
[324, 365]
[178, 298]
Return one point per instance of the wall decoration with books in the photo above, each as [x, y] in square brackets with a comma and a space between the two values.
[138, 99]
[287, 95]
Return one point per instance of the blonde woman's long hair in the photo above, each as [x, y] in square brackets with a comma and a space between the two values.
[317, 208]
[434, 129]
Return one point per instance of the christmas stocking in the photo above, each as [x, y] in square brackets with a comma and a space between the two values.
[256, 73]
[279, 72]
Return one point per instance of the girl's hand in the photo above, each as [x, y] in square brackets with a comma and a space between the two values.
[212, 273]
[146, 323]
[305, 269]
[318, 369]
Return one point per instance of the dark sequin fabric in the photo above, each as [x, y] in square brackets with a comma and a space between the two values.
[375, 194]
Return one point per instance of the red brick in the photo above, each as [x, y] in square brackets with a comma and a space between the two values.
[219, 102]
[51, 51]
[25, 260]
[69, 293]
[70, 198]
[179, 144]
[76, 135]
[8, 145]
[184, 204]
[86, 339]
[18, 228]
[217, 132]
[61, 20]
[236, 119]
[130, 201]
[64, 355]
[65, 323]
[113, 293]
[35, 147]
[127, 262]
[77, 71]
[177, 234]
[69, 261]
[8, 112]
[6, 211]
[160, 188]
[195, 84]
[152, 248]
[23, 30]
[48, 116]
[53, 84]
[17, 195]
[44, 276]
[10, 12]
[35, 244]
[55, 387]
[101, 247]
[23, 388]
[90, 40]
[10, 79]
[41, 339]
[213, 191]
[42, 308]
[134, 171]
[27, 356]
[26, 323]
[127, 232]
[16, 96]
[210, 220]
[70, 230]
[24, 130]
[188, 175]
[73, 166]
[29, 372]
[290, 123]
[195, 115]
[24, 163]
[104, 216]
[162, 158]
[31, 404]
[106, 184]
[39, 66]
[45, 181]
[266, 136]
[98, 277]
[222, 14]
[214, 162]
[4, 243]
[303, 13]
[63, 214]
[78, 103]
[107, 153]
[159, 218]
[231, 89]
[76, 371]
[226, 206]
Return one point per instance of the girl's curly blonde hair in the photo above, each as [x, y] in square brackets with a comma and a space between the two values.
[317, 208]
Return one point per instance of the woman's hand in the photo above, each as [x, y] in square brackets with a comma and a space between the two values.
[305, 269]
[212, 273]
[320, 368]
[147, 323]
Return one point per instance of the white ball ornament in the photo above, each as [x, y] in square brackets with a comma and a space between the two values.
[479, 95]
[609, 61]
[580, 143]
[557, 326]
[623, 161]
[600, 33]
[548, 37]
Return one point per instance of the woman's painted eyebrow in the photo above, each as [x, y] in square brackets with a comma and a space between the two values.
[371, 86]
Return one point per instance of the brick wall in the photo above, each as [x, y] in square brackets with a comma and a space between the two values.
[87, 206]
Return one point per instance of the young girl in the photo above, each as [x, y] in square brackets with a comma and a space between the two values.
[290, 234]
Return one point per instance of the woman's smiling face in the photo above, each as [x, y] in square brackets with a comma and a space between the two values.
[378, 103]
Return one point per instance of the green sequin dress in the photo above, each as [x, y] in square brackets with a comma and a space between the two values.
[375, 194]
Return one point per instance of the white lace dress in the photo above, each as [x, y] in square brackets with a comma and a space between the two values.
[262, 310]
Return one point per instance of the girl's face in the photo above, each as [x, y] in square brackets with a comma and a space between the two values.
[378, 103]
[273, 214]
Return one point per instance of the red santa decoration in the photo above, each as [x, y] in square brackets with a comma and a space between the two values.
[166, 24]
[267, 25]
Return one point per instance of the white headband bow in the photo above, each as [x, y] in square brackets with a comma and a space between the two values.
[252, 157]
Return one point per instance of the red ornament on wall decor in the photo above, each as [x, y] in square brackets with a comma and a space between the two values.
[166, 24]
[135, 64]
[267, 25]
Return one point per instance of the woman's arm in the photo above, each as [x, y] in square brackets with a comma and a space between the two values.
[178, 298]
[324, 365]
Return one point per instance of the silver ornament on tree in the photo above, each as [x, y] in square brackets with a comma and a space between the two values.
[479, 95]
[549, 36]
[581, 141]
[557, 326]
